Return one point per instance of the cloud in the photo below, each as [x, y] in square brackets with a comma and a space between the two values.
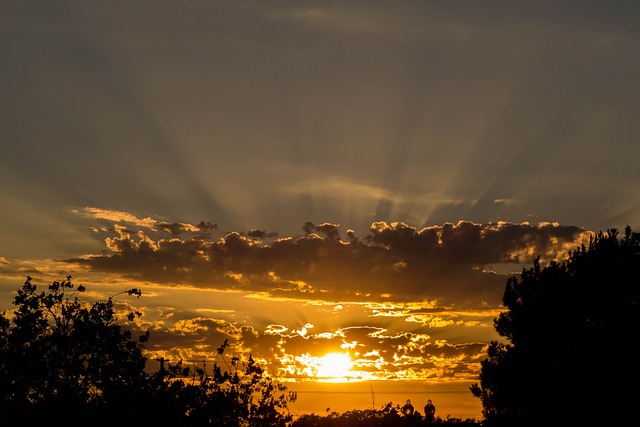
[394, 262]
[376, 353]
[172, 228]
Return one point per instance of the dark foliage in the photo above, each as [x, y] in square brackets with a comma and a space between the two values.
[572, 331]
[388, 416]
[65, 361]
[235, 394]
[61, 354]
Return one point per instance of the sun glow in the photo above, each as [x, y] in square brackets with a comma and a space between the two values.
[334, 366]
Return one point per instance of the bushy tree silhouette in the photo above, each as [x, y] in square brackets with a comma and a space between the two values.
[67, 361]
[572, 331]
[61, 353]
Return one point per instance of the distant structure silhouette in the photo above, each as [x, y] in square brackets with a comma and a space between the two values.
[429, 410]
[407, 409]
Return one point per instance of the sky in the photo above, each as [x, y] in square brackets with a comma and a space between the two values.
[308, 177]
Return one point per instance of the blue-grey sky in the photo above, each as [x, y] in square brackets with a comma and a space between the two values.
[519, 119]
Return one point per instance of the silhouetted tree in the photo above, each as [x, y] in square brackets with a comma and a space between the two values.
[572, 331]
[65, 361]
[62, 359]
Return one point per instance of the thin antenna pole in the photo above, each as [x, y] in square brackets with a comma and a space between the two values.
[373, 398]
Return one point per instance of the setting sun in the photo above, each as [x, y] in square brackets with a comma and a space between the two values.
[334, 366]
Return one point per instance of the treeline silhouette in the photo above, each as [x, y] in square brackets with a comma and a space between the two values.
[569, 358]
[387, 416]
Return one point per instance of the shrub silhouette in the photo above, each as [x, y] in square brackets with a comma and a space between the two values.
[62, 360]
[572, 329]
[236, 394]
[387, 416]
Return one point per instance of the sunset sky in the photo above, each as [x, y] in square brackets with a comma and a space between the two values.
[308, 177]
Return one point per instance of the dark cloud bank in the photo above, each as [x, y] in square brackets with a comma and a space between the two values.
[394, 261]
